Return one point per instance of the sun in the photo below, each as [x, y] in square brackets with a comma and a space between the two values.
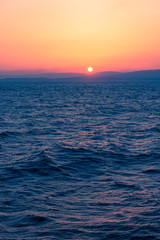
[90, 69]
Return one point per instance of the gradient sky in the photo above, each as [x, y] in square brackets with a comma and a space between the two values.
[70, 35]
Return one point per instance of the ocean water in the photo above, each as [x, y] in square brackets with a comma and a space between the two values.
[80, 160]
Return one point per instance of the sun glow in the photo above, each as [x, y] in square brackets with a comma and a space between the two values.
[90, 69]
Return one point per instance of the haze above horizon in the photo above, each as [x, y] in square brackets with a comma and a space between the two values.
[69, 36]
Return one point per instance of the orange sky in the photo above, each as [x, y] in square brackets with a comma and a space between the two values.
[70, 35]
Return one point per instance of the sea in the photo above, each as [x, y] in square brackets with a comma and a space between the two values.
[80, 160]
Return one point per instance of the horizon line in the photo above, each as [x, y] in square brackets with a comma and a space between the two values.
[37, 72]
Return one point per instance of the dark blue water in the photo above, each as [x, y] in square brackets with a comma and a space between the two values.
[80, 160]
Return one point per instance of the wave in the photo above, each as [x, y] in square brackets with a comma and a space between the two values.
[38, 164]
[118, 185]
[28, 219]
[42, 164]
[9, 134]
[152, 171]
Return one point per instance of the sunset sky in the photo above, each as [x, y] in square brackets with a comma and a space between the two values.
[71, 35]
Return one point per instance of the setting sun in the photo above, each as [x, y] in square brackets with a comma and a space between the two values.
[90, 69]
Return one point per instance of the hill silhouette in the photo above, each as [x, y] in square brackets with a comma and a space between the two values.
[78, 77]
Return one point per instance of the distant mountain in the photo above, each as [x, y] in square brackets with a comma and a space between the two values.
[39, 75]
[143, 75]
[78, 77]
[106, 74]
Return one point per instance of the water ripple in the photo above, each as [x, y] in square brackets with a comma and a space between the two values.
[80, 161]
